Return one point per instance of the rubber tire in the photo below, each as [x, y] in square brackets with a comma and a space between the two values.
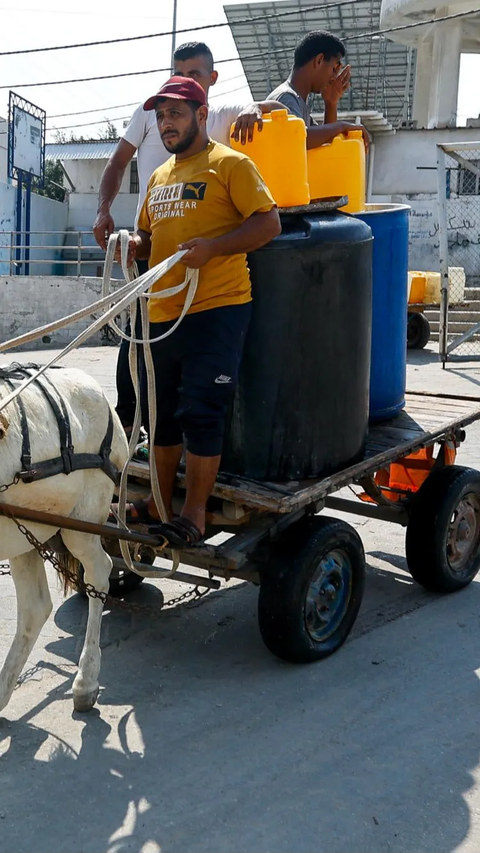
[118, 586]
[285, 582]
[128, 582]
[430, 514]
[418, 331]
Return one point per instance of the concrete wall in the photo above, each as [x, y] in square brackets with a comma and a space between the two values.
[405, 162]
[85, 176]
[46, 215]
[31, 301]
[83, 210]
[397, 178]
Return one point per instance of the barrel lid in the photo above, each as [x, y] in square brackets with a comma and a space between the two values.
[317, 205]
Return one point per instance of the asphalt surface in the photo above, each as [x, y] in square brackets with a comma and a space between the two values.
[203, 741]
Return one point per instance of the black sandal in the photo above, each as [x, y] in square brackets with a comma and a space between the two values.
[180, 532]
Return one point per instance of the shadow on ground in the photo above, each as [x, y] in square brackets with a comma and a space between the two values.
[202, 741]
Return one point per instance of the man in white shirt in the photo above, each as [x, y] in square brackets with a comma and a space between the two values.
[193, 60]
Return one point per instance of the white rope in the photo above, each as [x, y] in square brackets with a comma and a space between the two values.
[131, 291]
[190, 282]
[114, 303]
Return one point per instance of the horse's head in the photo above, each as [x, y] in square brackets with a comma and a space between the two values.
[4, 424]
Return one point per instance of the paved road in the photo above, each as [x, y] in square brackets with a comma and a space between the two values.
[202, 741]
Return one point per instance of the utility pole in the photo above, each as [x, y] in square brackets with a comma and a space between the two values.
[174, 29]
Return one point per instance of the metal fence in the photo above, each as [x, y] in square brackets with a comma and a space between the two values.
[72, 253]
[458, 170]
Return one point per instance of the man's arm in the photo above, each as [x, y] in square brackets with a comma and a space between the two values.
[252, 234]
[109, 186]
[251, 116]
[323, 133]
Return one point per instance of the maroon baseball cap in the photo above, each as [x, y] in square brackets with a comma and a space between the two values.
[182, 88]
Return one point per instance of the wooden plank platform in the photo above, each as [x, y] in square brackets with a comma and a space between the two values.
[426, 418]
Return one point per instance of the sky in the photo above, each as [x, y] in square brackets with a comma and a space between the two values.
[38, 23]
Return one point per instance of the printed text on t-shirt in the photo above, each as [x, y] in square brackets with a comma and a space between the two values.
[174, 199]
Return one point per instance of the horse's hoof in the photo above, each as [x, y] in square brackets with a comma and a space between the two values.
[84, 702]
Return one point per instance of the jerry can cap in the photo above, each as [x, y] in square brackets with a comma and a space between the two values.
[279, 115]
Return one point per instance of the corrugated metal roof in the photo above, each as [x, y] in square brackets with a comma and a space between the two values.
[374, 121]
[382, 76]
[100, 150]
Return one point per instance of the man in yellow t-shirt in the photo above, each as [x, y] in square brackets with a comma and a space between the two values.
[213, 202]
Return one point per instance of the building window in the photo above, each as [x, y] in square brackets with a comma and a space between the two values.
[134, 184]
[462, 181]
[468, 181]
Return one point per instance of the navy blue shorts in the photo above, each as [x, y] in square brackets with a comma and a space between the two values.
[196, 371]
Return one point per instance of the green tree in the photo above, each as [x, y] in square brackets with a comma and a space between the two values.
[53, 184]
[54, 187]
[109, 132]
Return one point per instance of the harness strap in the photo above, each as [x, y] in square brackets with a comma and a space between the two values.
[59, 408]
[26, 457]
[80, 462]
[68, 460]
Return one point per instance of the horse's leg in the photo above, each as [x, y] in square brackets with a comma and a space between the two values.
[97, 566]
[34, 606]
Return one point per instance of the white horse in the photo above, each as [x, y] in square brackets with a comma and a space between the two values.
[83, 494]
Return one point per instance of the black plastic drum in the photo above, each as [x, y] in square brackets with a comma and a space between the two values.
[301, 408]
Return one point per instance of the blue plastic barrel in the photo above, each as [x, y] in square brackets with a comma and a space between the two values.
[389, 224]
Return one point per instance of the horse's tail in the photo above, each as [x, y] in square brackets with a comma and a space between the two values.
[70, 572]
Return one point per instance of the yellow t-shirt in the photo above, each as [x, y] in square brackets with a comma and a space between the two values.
[207, 195]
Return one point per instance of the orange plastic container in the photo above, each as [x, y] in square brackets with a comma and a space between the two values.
[280, 152]
[338, 169]
[417, 282]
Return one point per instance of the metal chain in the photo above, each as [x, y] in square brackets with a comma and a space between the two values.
[195, 593]
[4, 567]
[79, 584]
[14, 482]
[47, 554]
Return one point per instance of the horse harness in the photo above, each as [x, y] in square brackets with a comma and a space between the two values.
[68, 460]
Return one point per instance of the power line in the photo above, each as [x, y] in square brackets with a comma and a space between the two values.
[250, 20]
[96, 110]
[86, 124]
[87, 79]
[372, 34]
[135, 103]
[131, 73]
[105, 120]
[412, 26]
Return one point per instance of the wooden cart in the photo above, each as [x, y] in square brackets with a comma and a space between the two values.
[310, 568]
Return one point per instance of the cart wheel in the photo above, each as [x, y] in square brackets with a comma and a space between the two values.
[443, 532]
[311, 590]
[123, 581]
[418, 331]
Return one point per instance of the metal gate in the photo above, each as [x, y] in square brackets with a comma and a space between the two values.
[458, 171]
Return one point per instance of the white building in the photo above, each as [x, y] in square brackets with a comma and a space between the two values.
[83, 164]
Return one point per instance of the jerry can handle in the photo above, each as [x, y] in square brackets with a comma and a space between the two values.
[279, 115]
